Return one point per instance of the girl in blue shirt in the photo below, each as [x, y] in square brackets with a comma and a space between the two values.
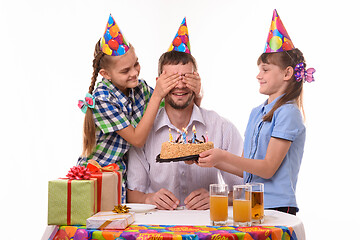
[275, 134]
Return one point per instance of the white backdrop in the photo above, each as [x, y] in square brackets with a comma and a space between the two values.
[46, 57]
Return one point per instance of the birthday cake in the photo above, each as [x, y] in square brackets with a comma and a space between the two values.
[182, 147]
[176, 150]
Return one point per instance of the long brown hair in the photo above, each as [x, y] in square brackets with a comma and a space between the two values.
[101, 61]
[294, 91]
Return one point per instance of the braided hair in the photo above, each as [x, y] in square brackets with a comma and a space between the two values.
[294, 91]
[101, 61]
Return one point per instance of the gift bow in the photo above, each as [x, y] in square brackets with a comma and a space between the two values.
[94, 166]
[78, 173]
[302, 74]
[88, 102]
[121, 209]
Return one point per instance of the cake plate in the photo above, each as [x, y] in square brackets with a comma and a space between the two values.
[179, 159]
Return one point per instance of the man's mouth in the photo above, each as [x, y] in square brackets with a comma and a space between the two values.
[179, 93]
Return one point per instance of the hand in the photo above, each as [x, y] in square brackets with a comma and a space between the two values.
[163, 199]
[211, 157]
[166, 82]
[193, 82]
[198, 200]
[189, 162]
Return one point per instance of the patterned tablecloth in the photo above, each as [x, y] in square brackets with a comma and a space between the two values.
[175, 232]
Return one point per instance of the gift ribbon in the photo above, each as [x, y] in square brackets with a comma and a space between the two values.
[68, 202]
[68, 215]
[95, 168]
[107, 222]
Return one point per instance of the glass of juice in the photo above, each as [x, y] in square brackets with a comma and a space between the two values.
[242, 205]
[218, 204]
[257, 202]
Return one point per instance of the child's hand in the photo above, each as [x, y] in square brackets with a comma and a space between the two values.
[166, 82]
[210, 158]
[193, 82]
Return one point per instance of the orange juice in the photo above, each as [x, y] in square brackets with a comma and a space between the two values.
[218, 208]
[241, 210]
[257, 205]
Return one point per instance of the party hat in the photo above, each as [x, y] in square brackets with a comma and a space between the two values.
[278, 39]
[181, 41]
[113, 42]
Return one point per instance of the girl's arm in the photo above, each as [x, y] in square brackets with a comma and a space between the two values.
[193, 82]
[234, 164]
[137, 136]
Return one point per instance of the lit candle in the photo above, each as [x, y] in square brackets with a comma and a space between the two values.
[170, 136]
[206, 137]
[184, 134]
[194, 134]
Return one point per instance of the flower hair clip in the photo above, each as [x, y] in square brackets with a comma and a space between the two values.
[88, 102]
[302, 74]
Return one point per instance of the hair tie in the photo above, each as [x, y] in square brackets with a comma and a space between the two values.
[302, 74]
[88, 102]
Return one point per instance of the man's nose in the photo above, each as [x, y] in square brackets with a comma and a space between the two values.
[180, 84]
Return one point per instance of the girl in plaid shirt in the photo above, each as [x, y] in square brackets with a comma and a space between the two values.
[115, 116]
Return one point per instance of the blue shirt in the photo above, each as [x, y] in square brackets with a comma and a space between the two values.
[287, 123]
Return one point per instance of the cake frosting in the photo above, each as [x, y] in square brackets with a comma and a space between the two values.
[176, 150]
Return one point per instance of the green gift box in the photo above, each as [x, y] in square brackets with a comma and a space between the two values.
[71, 202]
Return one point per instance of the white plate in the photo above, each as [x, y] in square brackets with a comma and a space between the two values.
[138, 207]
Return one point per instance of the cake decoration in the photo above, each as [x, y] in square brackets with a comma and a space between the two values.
[183, 149]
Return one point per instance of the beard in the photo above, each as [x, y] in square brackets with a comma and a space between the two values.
[184, 105]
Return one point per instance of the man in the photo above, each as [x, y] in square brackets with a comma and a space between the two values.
[169, 185]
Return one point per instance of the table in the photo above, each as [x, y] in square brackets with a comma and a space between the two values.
[159, 220]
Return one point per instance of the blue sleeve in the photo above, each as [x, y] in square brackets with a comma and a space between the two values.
[288, 122]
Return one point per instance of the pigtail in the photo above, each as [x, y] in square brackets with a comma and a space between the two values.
[89, 138]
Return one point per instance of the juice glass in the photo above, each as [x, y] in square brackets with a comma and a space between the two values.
[218, 204]
[242, 205]
[257, 202]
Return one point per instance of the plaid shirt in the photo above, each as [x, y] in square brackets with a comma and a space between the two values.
[114, 111]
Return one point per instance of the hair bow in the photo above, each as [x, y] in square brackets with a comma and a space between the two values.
[302, 74]
[88, 102]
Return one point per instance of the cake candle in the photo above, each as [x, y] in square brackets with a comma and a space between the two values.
[194, 134]
[206, 137]
[184, 135]
[170, 136]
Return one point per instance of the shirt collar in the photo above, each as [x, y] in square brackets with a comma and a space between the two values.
[267, 107]
[119, 94]
[162, 119]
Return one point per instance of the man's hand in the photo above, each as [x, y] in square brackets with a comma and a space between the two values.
[198, 200]
[163, 199]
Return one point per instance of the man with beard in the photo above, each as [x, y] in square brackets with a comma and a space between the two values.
[169, 185]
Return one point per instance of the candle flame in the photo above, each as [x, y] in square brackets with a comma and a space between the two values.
[194, 129]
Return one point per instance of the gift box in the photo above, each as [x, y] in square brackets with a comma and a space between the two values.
[71, 202]
[108, 185]
[110, 220]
